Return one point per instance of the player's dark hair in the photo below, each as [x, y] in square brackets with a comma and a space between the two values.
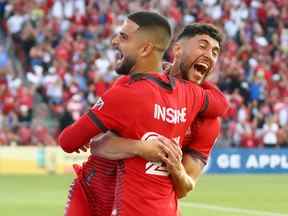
[150, 19]
[200, 29]
[155, 22]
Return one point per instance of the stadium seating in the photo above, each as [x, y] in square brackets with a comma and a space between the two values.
[55, 60]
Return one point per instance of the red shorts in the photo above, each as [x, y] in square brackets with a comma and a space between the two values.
[77, 204]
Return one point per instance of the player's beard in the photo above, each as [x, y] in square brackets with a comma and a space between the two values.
[126, 66]
[184, 70]
[189, 72]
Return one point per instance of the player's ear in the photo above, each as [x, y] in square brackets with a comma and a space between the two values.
[146, 49]
[177, 50]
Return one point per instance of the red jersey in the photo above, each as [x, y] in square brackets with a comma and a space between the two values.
[142, 109]
[200, 137]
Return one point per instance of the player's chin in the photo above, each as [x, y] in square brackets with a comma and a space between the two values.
[118, 65]
[121, 69]
[196, 78]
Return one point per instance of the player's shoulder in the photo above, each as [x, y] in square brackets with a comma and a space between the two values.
[123, 79]
[203, 125]
[202, 135]
[133, 88]
[188, 85]
[153, 81]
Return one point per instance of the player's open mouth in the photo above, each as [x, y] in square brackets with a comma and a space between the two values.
[119, 55]
[202, 68]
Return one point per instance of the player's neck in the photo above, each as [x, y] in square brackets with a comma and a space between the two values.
[146, 68]
[175, 69]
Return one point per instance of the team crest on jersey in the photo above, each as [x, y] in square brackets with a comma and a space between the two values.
[99, 104]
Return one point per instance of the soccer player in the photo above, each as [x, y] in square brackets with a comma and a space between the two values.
[169, 107]
[205, 41]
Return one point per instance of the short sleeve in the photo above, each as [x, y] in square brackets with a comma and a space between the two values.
[202, 136]
[215, 104]
[116, 109]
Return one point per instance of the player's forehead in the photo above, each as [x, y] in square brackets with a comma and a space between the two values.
[129, 27]
[204, 38]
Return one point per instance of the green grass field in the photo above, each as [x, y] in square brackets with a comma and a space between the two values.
[215, 195]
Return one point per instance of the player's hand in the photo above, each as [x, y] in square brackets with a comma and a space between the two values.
[173, 157]
[83, 148]
[158, 148]
[170, 147]
[151, 150]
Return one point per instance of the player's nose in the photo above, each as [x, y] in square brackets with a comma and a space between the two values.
[114, 41]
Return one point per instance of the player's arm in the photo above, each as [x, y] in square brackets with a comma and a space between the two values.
[186, 174]
[113, 147]
[215, 103]
[104, 146]
[78, 134]
[182, 181]
[197, 147]
[111, 112]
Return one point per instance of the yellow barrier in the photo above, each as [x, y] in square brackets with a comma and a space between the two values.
[37, 160]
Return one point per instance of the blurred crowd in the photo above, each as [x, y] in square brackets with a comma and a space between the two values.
[63, 47]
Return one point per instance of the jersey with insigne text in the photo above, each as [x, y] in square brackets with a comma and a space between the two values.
[141, 108]
[145, 110]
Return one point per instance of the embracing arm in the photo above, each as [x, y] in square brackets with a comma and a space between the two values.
[106, 114]
[197, 147]
[113, 147]
[190, 175]
[184, 176]
[78, 134]
[184, 173]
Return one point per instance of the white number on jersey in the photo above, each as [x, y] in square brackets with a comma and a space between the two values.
[156, 168]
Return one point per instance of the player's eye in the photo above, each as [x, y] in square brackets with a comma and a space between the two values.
[123, 36]
[215, 52]
[202, 45]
